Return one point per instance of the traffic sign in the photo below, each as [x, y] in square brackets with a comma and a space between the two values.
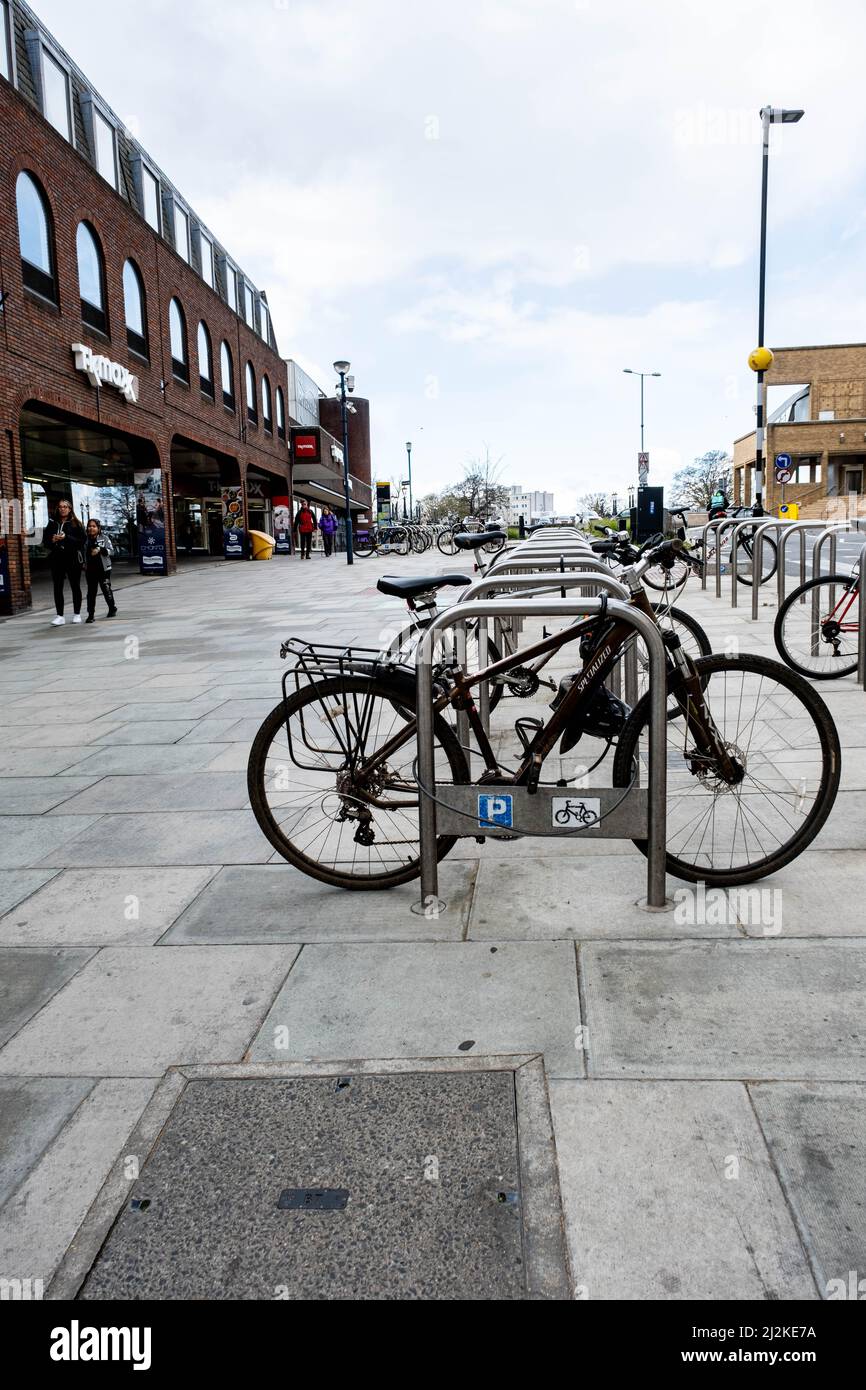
[783, 475]
[784, 461]
[642, 468]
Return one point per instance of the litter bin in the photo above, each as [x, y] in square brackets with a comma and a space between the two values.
[263, 545]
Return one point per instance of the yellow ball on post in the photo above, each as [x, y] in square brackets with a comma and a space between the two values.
[760, 359]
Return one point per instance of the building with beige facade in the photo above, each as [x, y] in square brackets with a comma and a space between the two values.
[821, 424]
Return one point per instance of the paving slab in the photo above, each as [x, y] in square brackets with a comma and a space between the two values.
[152, 838]
[103, 907]
[18, 884]
[131, 760]
[32, 796]
[275, 902]
[816, 1133]
[751, 1009]
[28, 979]
[32, 1113]
[135, 1011]
[157, 791]
[43, 733]
[427, 1000]
[30, 762]
[669, 1193]
[522, 899]
[822, 895]
[155, 711]
[40, 1221]
[146, 731]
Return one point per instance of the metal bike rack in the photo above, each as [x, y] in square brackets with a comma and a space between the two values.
[800, 528]
[457, 810]
[710, 526]
[523, 583]
[830, 533]
[757, 528]
[861, 624]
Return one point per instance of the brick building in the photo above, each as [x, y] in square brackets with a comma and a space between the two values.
[135, 353]
[821, 424]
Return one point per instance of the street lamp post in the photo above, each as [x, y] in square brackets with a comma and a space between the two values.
[629, 372]
[770, 115]
[342, 369]
[409, 457]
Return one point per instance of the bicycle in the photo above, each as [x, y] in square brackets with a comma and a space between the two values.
[696, 558]
[819, 637]
[385, 540]
[332, 773]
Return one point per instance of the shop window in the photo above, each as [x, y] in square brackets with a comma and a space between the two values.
[35, 237]
[177, 335]
[91, 278]
[281, 414]
[252, 407]
[267, 412]
[205, 361]
[56, 106]
[135, 309]
[227, 372]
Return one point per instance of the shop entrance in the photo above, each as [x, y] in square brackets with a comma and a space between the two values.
[198, 477]
[63, 457]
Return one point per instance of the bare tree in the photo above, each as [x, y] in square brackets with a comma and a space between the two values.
[593, 502]
[694, 486]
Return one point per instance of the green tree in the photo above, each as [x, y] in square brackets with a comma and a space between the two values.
[694, 486]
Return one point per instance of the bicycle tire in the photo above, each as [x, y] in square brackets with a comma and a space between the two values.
[828, 738]
[363, 548]
[445, 543]
[839, 581]
[443, 734]
[675, 577]
[770, 548]
[407, 640]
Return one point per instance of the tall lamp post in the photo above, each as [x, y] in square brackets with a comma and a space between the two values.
[409, 457]
[629, 372]
[342, 369]
[762, 357]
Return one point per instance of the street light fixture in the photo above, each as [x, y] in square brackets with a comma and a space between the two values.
[630, 372]
[409, 457]
[770, 115]
[342, 369]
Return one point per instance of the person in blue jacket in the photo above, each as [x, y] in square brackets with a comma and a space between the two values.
[327, 526]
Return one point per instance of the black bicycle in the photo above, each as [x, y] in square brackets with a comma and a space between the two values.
[332, 771]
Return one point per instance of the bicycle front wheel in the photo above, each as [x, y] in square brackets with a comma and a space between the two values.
[819, 638]
[746, 559]
[445, 542]
[778, 730]
[662, 578]
[310, 795]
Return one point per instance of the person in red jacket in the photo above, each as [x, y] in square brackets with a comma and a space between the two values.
[305, 525]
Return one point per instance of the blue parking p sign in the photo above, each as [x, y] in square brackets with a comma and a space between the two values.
[495, 810]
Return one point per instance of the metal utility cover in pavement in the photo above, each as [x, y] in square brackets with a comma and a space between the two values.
[431, 1180]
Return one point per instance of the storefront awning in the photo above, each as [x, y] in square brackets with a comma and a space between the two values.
[317, 492]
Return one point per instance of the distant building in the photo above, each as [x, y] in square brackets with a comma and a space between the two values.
[529, 505]
[821, 425]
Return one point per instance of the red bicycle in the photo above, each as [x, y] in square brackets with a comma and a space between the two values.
[816, 627]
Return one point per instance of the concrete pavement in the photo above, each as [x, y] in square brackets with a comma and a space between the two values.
[707, 1077]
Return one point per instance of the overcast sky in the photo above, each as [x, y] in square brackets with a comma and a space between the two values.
[493, 206]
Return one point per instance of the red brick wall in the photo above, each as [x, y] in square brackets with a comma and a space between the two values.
[35, 358]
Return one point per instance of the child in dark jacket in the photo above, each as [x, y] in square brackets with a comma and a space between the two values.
[98, 551]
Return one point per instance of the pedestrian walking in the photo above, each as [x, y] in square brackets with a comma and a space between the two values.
[64, 539]
[305, 525]
[327, 526]
[98, 551]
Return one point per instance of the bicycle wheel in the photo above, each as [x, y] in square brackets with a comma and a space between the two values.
[745, 559]
[399, 540]
[445, 542]
[819, 638]
[419, 545]
[306, 784]
[661, 578]
[493, 547]
[406, 642]
[782, 736]
[363, 543]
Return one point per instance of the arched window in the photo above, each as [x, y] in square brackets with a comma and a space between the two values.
[252, 407]
[177, 334]
[136, 311]
[281, 414]
[91, 278]
[205, 360]
[35, 237]
[267, 411]
[227, 372]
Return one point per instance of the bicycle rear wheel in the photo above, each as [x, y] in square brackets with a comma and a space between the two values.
[780, 732]
[819, 638]
[305, 778]
[745, 559]
[445, 542]
[661, 578]
[363, 543]
[406, 642]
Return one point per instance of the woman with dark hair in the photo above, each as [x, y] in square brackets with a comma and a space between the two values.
[64, 539]
[327, 526]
